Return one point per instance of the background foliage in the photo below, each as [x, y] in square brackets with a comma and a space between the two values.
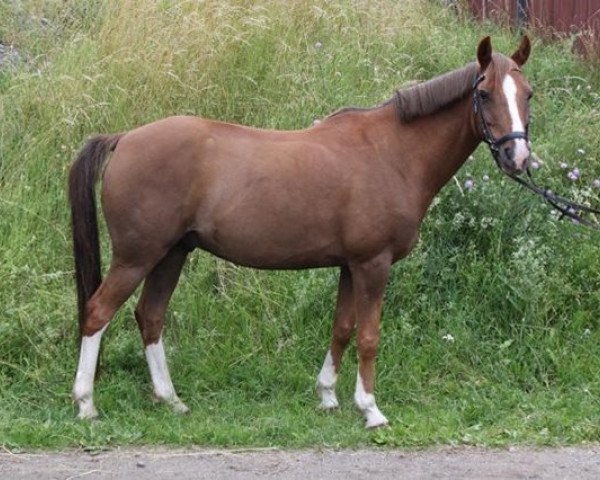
[490, 332]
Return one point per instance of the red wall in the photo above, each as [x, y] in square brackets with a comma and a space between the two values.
[551, 16]
[560, 15]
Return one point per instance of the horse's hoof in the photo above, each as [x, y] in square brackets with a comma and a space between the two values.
[329, 403]
[328, 399]
[180, 408]
[87, 411]
[375, 419]
[375, 426]
[176, 405]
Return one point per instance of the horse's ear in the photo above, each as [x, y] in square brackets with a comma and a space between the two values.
[484, 53]
[522, 53]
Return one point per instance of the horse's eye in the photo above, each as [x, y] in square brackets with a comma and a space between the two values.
[485, 95]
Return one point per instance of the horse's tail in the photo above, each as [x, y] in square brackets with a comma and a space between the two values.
[86, 244]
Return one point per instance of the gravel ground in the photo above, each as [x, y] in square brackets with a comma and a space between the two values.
[581, 463]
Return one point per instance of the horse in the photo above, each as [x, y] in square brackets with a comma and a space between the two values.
[350, 192]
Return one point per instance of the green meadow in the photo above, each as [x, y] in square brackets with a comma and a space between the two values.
[491, 327]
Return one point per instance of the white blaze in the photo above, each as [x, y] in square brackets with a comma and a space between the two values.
[521, 148]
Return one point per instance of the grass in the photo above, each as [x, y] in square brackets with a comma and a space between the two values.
[517, 290]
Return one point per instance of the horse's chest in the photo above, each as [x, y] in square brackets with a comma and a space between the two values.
[404, 243]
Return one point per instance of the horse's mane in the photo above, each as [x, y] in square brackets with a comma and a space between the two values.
[429, 97]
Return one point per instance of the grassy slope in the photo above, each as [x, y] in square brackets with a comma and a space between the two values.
[518, 292]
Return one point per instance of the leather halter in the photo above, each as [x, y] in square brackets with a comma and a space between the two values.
[488, 137]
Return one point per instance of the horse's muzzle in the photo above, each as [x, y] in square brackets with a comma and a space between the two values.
[514, 156]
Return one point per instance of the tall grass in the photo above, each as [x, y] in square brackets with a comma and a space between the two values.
[490, 332]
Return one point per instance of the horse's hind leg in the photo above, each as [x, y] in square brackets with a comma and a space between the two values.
[150, 315]
[118, 285]
[343, 327]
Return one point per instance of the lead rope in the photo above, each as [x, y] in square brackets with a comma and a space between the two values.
[567, 208]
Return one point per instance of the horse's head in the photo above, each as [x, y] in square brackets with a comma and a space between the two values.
[501, 102]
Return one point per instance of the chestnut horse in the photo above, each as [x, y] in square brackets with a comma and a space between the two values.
[350, 192]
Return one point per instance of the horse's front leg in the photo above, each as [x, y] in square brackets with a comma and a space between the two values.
[369, 280]
[343, 327]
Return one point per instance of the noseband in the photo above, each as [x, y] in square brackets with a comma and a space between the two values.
[567, 208]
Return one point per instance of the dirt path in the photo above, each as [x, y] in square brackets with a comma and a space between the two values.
[447, 463]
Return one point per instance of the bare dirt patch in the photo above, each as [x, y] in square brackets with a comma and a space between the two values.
[581, 463]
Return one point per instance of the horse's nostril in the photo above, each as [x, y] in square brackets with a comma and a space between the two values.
[508, 153]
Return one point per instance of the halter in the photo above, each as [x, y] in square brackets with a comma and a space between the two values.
[567, 208]
[488, 137]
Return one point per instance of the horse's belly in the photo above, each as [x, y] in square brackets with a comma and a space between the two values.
[270, 240]
[283, 262]
[270, 250]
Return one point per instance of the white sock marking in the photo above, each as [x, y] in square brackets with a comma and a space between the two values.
[326, 384]
[521, 148]
[366, 403]
[83, 389]
[161, 379]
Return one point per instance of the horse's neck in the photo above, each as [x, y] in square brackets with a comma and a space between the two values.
[441, 142]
